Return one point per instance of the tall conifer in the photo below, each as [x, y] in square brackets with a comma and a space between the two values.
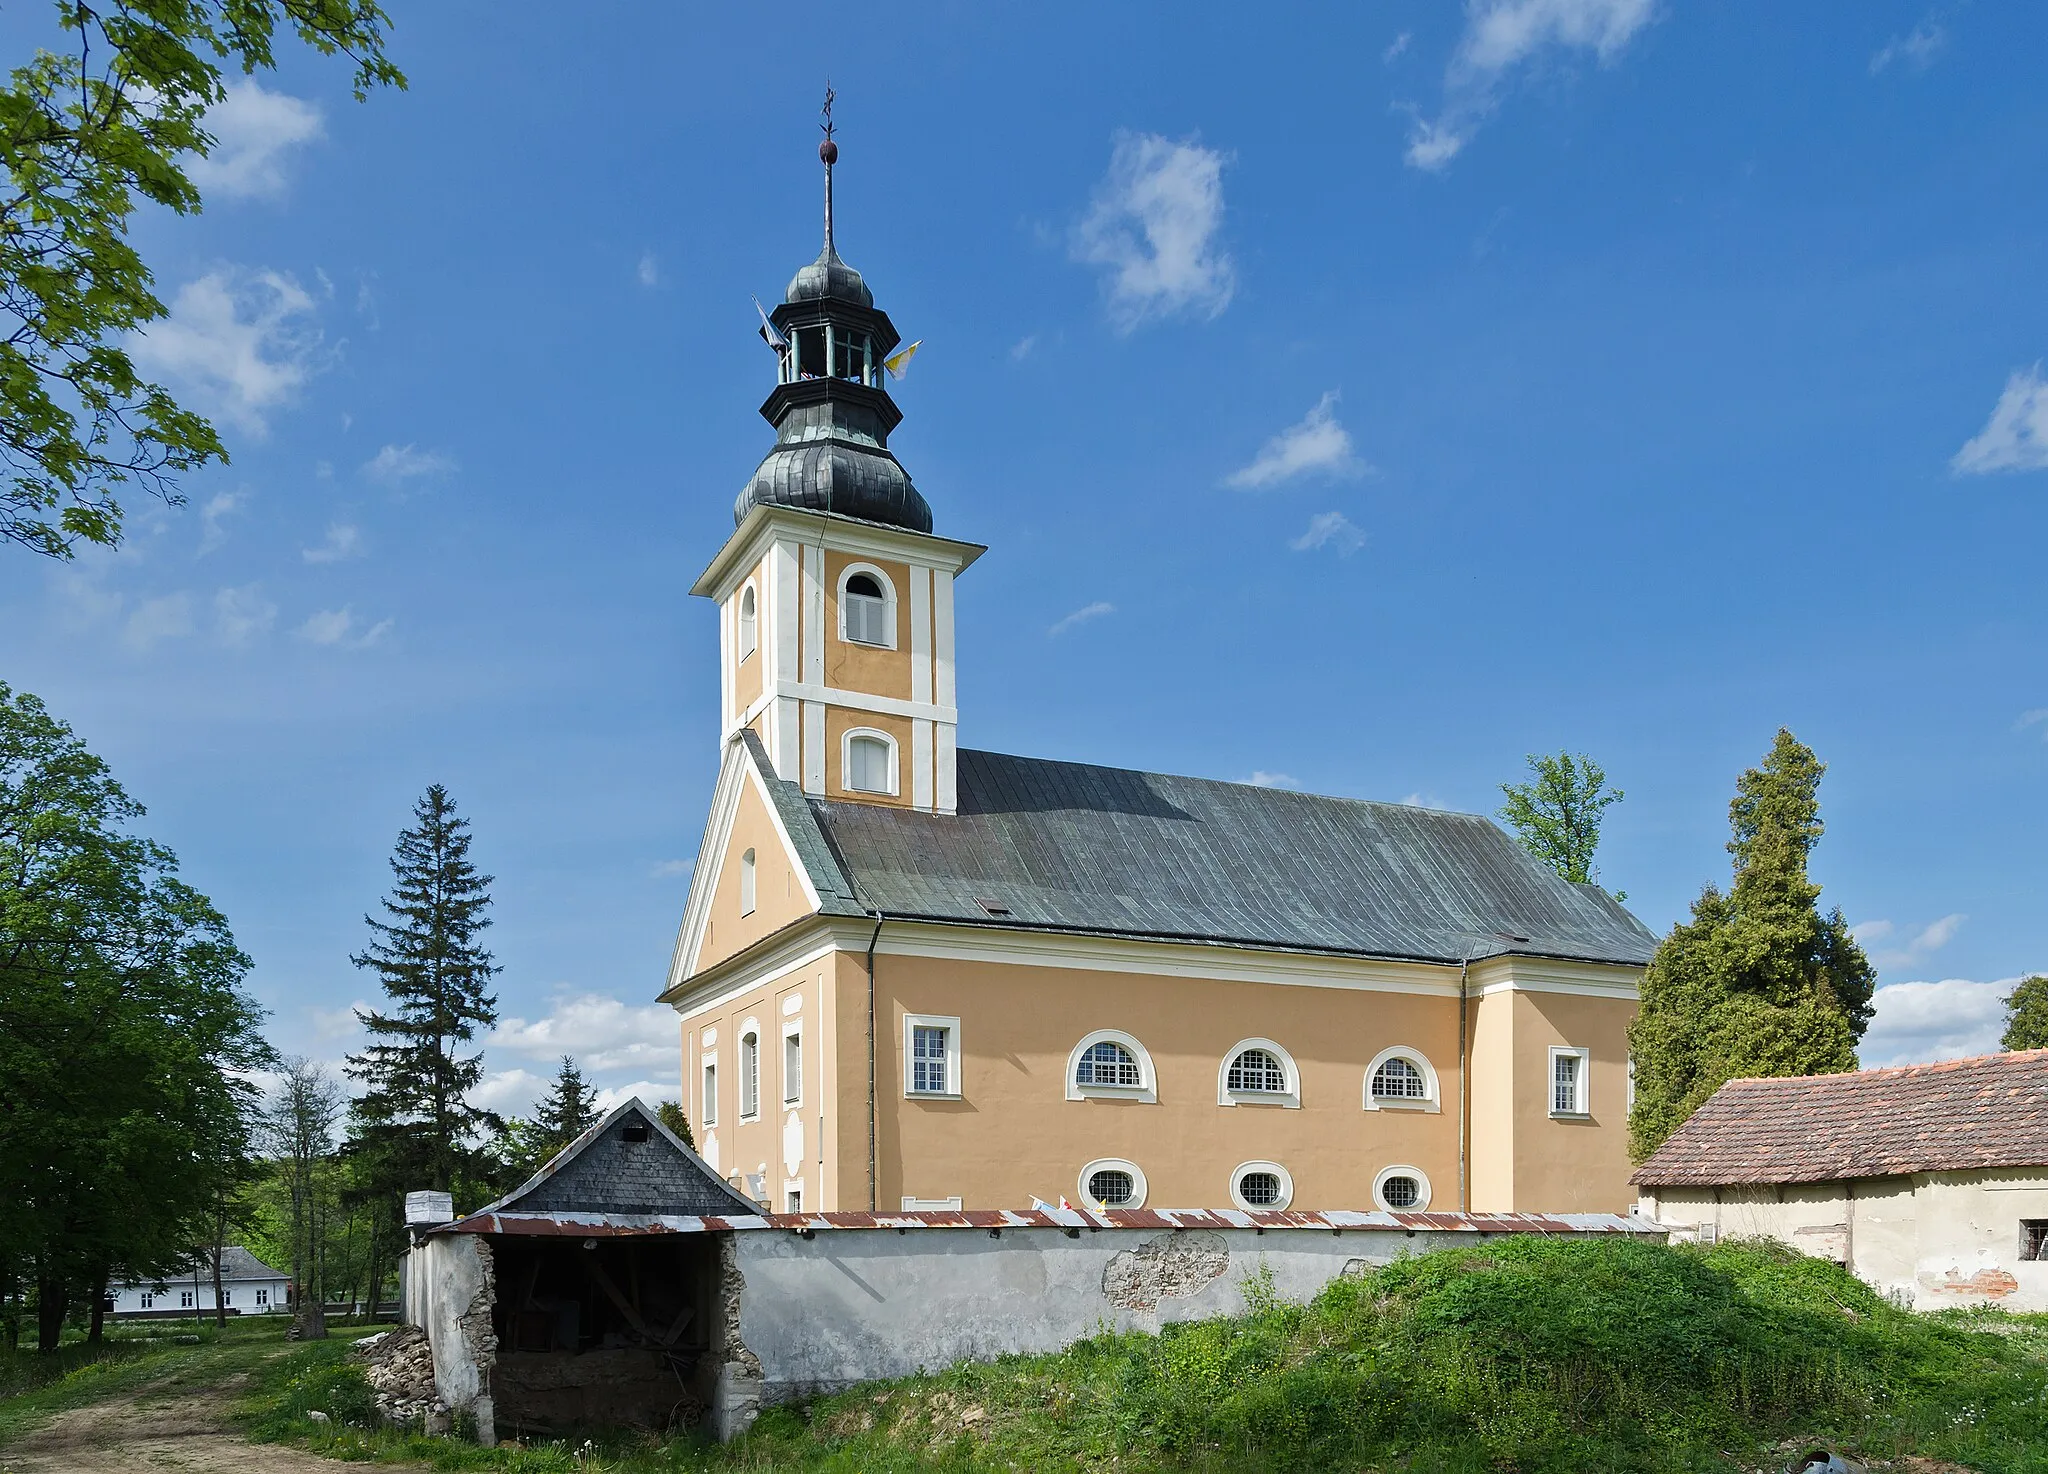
[415, 1109]
[568, 1109]
[1759, 982]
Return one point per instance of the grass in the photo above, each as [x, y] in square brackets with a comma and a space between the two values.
[1540, 1356]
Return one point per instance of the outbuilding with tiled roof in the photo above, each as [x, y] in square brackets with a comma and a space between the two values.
[1930, 1181]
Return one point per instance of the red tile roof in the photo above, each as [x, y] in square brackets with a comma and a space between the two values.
[1957, 1116]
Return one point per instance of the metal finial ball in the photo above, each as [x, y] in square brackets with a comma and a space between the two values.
[829, 151]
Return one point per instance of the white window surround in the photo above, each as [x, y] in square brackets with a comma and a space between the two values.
[749, 620]
[846, 740]
[793, 1054]
[1139, 1187]
[912, 1022]
[1147, 1088]
[1583, 1082]
[749, 883]
[888, 588]
[1289, 1097]
[1245, 1169]
[750, 1055]
[708, 1071]
[1421, 1181]
[1430, 1100]
[931, 1205]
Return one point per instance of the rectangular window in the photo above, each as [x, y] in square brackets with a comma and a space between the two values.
[710, 1114]
[792, 1067]
[750, 1077]
[184, 1299]
[263, 1297]
[2034, 1239]
[149, 1302]
[1568, 1071]
[227, 1296]
[793, 1200]
[931, 1055]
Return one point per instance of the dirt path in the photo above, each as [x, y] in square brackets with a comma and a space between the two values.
[164, 1425]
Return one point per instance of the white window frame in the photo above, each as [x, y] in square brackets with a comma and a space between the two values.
[1379, 1182]
[751, 1029]
[707, 1089]
[1139, 1187]
[1430, 1100]
[1147, 1088]
[895, 787]
[951, 1024]
[750, 883]
[931, 1205]
[793, 1031]
[1245, 1169]
[185, 1299]
[1585, 1083]
[148, 1301]
[747, 610]
[888, 588]
[1289, 1098]
[793, 1186]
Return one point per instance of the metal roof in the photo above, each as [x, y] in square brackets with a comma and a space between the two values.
[1059, 846]
[572, 1224]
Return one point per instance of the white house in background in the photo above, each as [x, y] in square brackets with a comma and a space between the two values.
[248, 1286]
[1930, 1182]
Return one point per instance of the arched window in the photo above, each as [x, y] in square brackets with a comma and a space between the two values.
[869, 761]
[747, 891]
[1401, 1189]
[1107, 1063]
[1261, 1185]
[1112, 1182]
[750, 624]
[867, 607]
[750, 1075]
[1258, 1072]
[1112, 1065]
[1400, 1079]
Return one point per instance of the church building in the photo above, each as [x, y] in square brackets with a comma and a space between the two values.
[912, 974]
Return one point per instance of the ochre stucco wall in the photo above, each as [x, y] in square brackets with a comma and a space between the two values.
[778, 894]
[1567, 1165]
[867, 668]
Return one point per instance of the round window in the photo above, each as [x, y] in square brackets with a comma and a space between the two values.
[1112, 1187]
[1401, 1192]
[1260, 1189]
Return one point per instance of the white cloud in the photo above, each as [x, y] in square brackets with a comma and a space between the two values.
[672, 869]
[2016, 436]
[1317, 446]
[1260, 778]
[1395, 47]
[1915, 50]
[1329, 530]
[1913, 950]
[1081, 616]
[344, 540]
[1154, 225]
[649, 270]
[338, 628]
[1501, 35]
[647, 1092]
[395, 465]
[254, 130]
[2035, 718]
[510, 1092]
[216, 511]
[1951, 1019]
[243, 340]
[156, 620]
[1021, 349]
[605, 1034]
[241, 615]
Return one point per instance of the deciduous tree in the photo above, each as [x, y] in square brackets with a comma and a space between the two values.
[106, 115]
[1759, 981]
[1557, 815]
[2026, 1015]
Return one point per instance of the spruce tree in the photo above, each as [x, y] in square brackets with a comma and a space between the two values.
[414, 1114]
[2026, 1015]
[567, 1111]
[1759, 981]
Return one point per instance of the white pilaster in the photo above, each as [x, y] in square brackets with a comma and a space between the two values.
[920, 633]
[921, 763]
[784, 748]
[814, 747]
[814, 616]
[942, 637]
[784, 591]
[945, 769]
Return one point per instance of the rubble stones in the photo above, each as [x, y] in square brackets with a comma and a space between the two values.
[401, 1371]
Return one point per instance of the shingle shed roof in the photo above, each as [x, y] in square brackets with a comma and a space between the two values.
[1109, 851]
[1957, 1116]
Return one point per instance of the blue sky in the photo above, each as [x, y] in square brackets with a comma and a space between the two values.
[1353, 397]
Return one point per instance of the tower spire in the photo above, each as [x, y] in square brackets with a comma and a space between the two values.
[828, 151]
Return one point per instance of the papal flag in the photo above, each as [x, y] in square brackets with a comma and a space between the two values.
[769, 336]
[898, 363]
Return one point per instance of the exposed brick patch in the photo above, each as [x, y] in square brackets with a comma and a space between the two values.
[1166, 1267]
[1990, 1284]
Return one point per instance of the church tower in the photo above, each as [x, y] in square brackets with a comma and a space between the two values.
[835, 598]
